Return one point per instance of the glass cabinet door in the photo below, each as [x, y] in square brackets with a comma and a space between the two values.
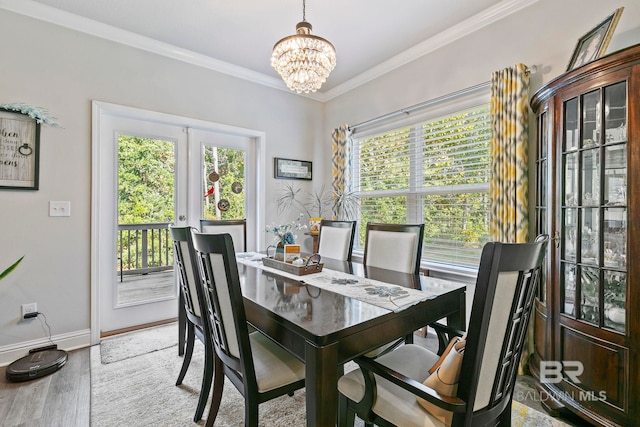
[594, 210]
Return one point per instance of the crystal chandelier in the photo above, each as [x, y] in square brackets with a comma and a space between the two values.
[303, 61]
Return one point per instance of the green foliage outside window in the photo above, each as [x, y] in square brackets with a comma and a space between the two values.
[435, 172]
[230, 165]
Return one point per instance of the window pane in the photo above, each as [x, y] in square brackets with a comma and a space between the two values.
[384, 161]
[455, 227]
[436, 172]
[392, 210]
[223, 183]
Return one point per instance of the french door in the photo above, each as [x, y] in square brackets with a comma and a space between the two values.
[150, 170]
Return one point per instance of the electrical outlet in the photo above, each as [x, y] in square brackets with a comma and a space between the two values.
[29, 308]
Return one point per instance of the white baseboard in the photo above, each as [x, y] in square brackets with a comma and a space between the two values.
[68, 341]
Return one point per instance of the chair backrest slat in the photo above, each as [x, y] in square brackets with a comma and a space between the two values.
[187, 271]
[223, 297]
[502, 306]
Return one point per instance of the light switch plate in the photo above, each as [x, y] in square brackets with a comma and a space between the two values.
[59, 208]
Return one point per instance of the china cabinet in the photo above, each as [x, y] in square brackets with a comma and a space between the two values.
[587, 314]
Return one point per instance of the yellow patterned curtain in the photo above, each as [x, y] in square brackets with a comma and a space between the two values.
[509, 220]
[340, 146]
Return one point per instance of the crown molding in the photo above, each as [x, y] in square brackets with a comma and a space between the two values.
[59, 17]
[462, 29]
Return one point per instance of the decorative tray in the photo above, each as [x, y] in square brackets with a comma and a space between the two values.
[299, 270]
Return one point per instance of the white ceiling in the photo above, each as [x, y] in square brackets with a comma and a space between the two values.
[371, 36]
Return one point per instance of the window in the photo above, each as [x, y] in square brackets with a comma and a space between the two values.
[223, 181]
[436, 172]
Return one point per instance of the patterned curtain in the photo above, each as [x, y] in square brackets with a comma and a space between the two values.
[340, 160]
[509, 220]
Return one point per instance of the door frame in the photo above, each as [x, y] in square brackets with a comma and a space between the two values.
[100, 110]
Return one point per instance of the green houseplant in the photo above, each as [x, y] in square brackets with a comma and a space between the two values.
[341, 205]
[12, 267]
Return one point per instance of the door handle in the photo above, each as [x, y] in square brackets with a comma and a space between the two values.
[182, 217]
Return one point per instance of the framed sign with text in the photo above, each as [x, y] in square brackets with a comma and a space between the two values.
[19, 151]
[291, 169]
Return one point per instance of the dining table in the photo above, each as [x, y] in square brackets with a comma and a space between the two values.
[331, 317]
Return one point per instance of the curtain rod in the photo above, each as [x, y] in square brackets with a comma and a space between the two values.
[443, 98]
[416, 107]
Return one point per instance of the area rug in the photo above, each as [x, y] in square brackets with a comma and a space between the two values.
[140, 390]
[132, 344]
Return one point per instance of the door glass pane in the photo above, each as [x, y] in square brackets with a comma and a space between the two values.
[591, 119]
[615, 237]
[589, 300]
[571, 124]
[615, 111]
[590, 229]
[145, 209]
[591, 177]
[615, 297]
[569, 289]
[223, 183]
[570, 224]
[615, 175]
[571, 179]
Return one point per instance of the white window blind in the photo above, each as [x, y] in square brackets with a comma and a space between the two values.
[436, 172]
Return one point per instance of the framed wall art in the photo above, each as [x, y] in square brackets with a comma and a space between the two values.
[19, 151]
[593, 45]
[291, 169]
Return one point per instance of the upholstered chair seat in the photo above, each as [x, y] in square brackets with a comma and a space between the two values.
[274, 365]
[400, 406]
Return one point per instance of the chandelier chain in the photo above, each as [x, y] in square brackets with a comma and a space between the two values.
[304, 10]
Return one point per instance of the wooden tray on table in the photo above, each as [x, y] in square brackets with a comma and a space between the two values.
[299, 270]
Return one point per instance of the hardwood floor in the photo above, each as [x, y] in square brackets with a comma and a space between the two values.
[62, 399]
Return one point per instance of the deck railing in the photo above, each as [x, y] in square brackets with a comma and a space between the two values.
[144, 248]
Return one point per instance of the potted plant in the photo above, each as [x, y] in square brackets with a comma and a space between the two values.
[342, 205]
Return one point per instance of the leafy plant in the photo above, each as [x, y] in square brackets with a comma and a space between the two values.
[9, 269]
[320, 203]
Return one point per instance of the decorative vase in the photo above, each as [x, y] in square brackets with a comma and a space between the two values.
[279, 255]
[314, 225]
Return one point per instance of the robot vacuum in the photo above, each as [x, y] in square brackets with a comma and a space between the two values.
[37, 364]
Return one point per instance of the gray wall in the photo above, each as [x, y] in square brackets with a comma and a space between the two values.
[63, 71]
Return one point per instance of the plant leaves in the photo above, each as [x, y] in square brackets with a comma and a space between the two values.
[12, 267]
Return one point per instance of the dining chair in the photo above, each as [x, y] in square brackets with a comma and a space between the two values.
[396, 247]
[193, 298]
[502, 306]
[236, 227]
[258, 367]
[336, 239]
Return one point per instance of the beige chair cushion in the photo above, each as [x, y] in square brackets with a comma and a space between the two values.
[274, 366]
[392, 250]
[334, 242]
[398, 406]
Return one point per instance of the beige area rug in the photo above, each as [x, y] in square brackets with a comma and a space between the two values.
[136, 388]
